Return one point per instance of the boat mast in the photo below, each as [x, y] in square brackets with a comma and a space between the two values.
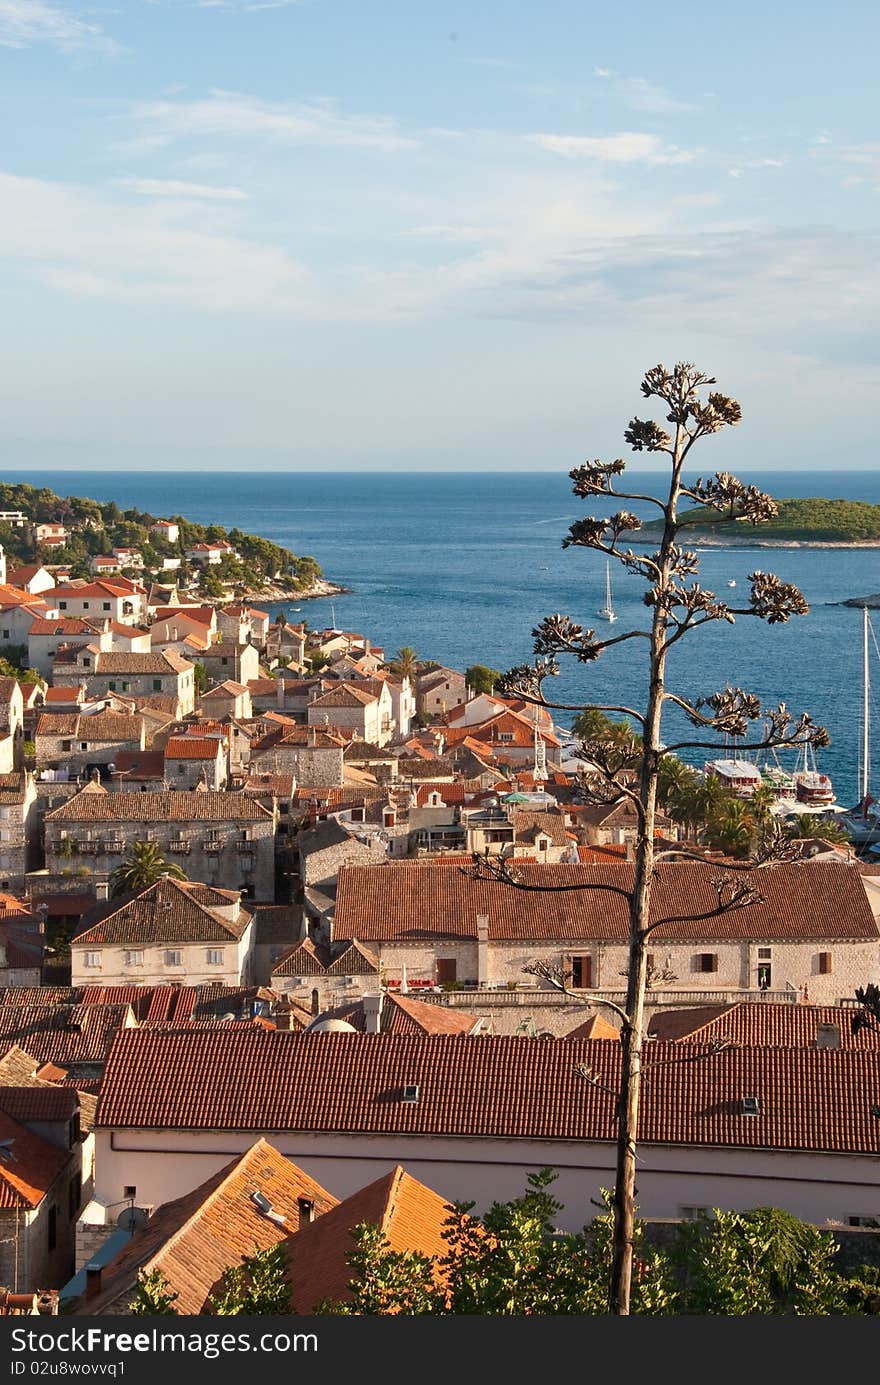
[866, 699]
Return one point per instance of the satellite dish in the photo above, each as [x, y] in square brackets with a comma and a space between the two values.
[130, 1218]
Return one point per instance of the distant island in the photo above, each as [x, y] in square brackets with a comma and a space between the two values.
[811, 523]
[91, 538]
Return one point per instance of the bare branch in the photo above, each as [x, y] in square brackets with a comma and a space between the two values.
[486, 867]
[555, 977]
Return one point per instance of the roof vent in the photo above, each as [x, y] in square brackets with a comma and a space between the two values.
[411, 1093]
[751, 1106]
[265, 1208]
[828, 1036]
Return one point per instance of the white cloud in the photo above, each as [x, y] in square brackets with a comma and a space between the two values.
[26, 22]
[623, 148]
[171, 187]
[646, 96]
[234, 115]
[602, 72]
[79, 242]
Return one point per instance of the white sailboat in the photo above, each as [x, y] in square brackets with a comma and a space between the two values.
[607, 611]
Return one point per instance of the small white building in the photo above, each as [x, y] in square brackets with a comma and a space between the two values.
[173, 932]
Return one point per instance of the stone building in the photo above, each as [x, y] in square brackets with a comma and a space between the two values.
[813, 927]
[77, 742]
[18, 796]
[313, 757]
[193, 760]
[138, 675]
[173, 932]
[224, 839]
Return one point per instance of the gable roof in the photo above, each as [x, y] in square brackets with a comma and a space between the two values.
[759, 1023]
[172, 806]
[34, 1165]
[818, 900]
[193, 747]
[193, 1239]
[501, 1087]
[410, 1215]
[169, 911]
[63, 1034]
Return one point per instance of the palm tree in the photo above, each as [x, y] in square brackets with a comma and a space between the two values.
[762, 801]
[731, 829]
[808, 825]
[405, 662]
[143, 866]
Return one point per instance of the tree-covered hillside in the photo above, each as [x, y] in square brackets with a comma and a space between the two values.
[809, 520]
[97, 527]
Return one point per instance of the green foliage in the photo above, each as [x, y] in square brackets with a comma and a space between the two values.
[480, 678]
[807, 825]
[809, 519]
[405, 662]
[99, 527]
[512, 1262]
[200, 678]
[143, 866]
[762, 1261]
[154, 1296]
[257, 1287]
[385, 1281]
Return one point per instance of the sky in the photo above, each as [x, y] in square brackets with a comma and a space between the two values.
[398, 234]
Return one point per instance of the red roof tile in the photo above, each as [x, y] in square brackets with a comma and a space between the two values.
[814, 900]
[499, 1087]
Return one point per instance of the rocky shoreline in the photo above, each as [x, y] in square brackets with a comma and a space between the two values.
[710, 541]
[318, 589]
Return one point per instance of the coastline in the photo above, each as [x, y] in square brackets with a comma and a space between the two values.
[709, 541]
[322, 587]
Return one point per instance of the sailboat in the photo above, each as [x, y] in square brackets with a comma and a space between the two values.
[862, 822]
[607, 611]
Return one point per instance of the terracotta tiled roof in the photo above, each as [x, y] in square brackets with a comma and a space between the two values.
[140, 764]
[62, 695]
[41, 995]
[302, 960]
[346, 695]
[99, 726]
[816, 900]
[354, 960]
[67, 625]
[63, 1034]
[401, 1014]
[595, 1028]
[758, 1023]
[195, 1238]
[39, 1103]
[173, 806]
[410, 1215]
[167, 912]
[499, 1087]
[26, 1178]
[14, 910]
[166, 661]
[589, 855]
[193, 748]
[529, 825]
[228, 688]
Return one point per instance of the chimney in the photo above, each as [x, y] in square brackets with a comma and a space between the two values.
[306, 1208]
[372, 1013]
[482, 949]
[2, 954]
[828, 1036]
[102, 889]
[93, 1280]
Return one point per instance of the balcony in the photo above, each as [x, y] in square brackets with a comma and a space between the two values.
[113, 844]
[182, 846]
[245, 848]
[89, 848]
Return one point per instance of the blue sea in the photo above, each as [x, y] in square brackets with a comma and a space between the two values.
[462, 566]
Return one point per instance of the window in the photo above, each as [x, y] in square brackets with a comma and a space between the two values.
[83, 745]
[112, 685]
[157, 685]
[581, 973]
[706, 961]
[824, 963]
[181, 769]
[53, 1227]
[692, 1213]
[134, 958]
[872, 1223]
[86, 661]
[74, 1194]
[765, 954]
[85, 605]
[62, 605]
[215, 956]
[6, 634]
[67, 745]
[106, 605]
[446, 969]
[172, 957]
[73, 1131]
[130, 1190]
[92, 959]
